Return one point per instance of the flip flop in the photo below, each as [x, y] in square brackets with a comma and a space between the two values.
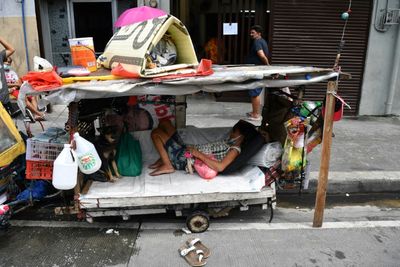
[259, 118]
[256, 123]
[157, 172]
[249, 114]
[198, 245]
[193, 256]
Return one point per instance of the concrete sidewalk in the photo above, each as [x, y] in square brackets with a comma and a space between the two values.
[365, 151]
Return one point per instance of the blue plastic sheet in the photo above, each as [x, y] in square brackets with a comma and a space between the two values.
[36, 191]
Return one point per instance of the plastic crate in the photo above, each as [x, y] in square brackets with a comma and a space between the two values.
[39, 170]
[42, 151]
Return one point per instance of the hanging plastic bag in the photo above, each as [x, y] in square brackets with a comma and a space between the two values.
[294, 157]
[129, 155]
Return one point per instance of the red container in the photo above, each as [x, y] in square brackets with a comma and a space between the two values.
[338, 114]
[39, 170]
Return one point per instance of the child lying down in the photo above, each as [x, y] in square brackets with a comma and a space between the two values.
[171, 148]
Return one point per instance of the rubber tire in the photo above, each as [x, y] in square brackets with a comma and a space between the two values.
[198, 222]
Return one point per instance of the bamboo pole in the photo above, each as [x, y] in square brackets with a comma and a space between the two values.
[325, 154]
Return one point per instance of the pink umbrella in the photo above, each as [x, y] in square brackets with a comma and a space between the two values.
[138, 14]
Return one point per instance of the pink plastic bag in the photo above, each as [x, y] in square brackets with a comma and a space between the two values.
[204, 170]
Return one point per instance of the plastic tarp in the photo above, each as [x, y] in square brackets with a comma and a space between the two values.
[224, 78]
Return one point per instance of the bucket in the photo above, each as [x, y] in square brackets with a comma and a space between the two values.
[82, 52]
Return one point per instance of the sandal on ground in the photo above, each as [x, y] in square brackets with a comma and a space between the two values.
[199, 246]
[193, 256]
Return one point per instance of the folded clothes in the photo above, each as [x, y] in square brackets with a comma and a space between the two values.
[43, 81]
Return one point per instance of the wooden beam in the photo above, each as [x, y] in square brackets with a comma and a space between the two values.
[325, 154]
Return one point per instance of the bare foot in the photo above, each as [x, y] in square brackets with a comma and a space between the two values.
[156, 164]
[162, 170]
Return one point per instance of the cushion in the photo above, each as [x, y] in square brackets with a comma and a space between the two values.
[248, 150]
[267, 155]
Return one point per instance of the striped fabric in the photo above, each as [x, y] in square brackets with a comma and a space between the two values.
[219, 149]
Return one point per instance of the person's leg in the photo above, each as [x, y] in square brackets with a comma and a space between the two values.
[255, 103]
[160, 136]
[256, 106]
[31, 104]
[167, 130]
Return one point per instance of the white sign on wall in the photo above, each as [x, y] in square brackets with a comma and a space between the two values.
[230, 29]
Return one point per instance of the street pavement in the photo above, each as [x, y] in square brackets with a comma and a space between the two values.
[352, 235]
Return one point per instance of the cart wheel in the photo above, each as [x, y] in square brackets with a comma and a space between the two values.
[198, 222]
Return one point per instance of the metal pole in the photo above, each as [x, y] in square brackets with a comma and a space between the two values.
[325, 154]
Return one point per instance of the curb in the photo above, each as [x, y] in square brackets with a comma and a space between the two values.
[358, 182]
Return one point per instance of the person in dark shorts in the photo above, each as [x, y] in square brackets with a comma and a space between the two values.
[172, 149]
[258, 55]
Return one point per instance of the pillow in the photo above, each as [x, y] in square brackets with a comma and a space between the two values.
[267, 155]
[248, 151]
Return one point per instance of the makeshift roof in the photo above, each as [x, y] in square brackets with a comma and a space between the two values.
[225, 78]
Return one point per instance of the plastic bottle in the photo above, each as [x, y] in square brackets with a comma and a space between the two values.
[65, 170]
[88, 159]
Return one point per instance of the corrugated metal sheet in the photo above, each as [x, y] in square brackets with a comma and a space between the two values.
[309, 33]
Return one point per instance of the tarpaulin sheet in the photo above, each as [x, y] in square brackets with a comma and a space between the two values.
[224, 78]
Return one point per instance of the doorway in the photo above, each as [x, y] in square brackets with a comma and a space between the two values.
[205, 19]
[93, 19]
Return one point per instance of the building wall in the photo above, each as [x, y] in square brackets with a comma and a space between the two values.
[161, 4]
[12, 31]
[379, 65]
[59, 32]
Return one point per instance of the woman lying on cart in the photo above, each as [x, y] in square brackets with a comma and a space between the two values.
[172, 149]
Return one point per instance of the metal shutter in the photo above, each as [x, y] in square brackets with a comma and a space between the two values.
[309, 33]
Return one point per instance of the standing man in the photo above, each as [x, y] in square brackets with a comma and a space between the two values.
[259, 56]
[4, 54]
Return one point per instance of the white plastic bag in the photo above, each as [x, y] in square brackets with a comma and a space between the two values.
[41, 64]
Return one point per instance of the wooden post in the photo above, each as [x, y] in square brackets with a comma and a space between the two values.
[72, 126]
[325, 154]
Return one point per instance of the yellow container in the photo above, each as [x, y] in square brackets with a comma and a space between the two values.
[11, 143]
[82, 52]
